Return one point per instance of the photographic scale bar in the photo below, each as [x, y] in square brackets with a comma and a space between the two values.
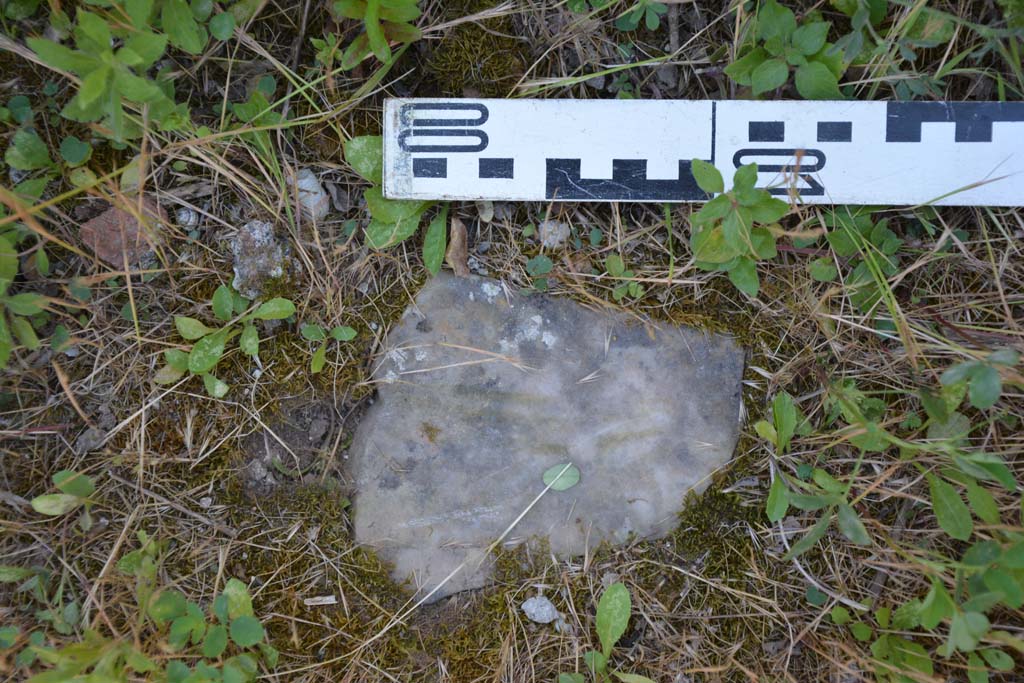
[895, 153]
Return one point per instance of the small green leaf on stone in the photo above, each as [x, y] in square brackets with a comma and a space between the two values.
[562, 477]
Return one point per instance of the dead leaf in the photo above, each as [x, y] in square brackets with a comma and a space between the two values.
[457, 255]
[116, 234]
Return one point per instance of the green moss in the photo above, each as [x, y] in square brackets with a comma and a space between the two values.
[485, 58]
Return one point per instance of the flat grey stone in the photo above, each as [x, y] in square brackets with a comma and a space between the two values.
[482, 389]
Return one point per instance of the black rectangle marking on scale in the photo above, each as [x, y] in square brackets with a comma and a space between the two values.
[430, 167]
[496, 168]
[766, 131]
[835, 131]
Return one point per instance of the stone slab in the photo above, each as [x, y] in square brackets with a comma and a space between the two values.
[482, 389]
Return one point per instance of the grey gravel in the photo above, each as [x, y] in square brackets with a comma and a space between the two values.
[539, 609]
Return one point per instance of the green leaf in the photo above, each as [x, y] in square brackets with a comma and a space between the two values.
[595, 662]
[959, 372]
[176, 359]
[775, 21]
[375, 32]
[55, 504]
[137, 89]
[710, 246]
[223, 303]
[214, 387]
[767, 432]
[190, 328]
[27, 151]
[8, 264]
[365, 155]
[239, 603]
[275, 309]
[840, 615]
[827, 481]
[822, 270]
[631, 678]
[24, 332]
[778, 500]
[343, 333]
[707, 176]
[319, 359]
[613, 616]
[74, 151]
[614, 264]
[94, 86]
[768, 209]
[146, 46]
[436, 242]
[982, 502]
[810, 38]
[313, 332]
[981, 554]
[571, 678]
[207, 353]
[9, 636]
[384, 234]
[249, 342]
[745, 177]
[976, 671]
[851, 526]
[814, 81]
[222, 26]
[937, 605]
[744, 276]
[966, 630]
[11, 574]
[74, 484]
[168, 374]
[167, 605]
[950, 509]
[997, 659]
[861, 631]
[215, 642]
[784, 416]
[181, 27]
[1007, 357]
[772, 74]
[57, 56]
[984, 387]
[808, 540]
[743, 68]
[391, 210]
[246, 631]
[539, 266]
[1003, 582]
[27, 303]
[561, 477]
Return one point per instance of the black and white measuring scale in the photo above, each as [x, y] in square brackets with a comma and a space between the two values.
[904, 153]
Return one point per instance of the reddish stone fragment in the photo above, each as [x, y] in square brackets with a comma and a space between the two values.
[117, 232]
